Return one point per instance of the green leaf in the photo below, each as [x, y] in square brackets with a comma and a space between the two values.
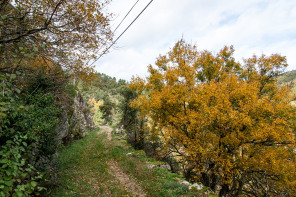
[12, 76]
[34, 183]
[28, 55]
[3, 109]
[4, 160]
[19, 193]
[9, 183]
[23, 162]
[9, 142]
[18, 90]
[18, 73]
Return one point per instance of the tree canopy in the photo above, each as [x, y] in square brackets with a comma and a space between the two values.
[65, 33]
[227, 121]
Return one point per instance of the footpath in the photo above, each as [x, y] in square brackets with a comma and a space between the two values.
[103, 164]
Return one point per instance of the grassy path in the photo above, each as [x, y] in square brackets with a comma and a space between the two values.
[98, 165]
[125, 179]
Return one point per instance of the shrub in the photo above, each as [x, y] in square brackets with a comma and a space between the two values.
[27, 137]
[18, 176]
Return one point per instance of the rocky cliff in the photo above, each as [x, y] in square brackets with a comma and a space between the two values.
[75, 119]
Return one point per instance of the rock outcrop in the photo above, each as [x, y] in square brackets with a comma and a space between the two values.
[75, 120]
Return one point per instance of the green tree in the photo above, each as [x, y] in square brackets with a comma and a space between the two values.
[107, 109]
[131, 120]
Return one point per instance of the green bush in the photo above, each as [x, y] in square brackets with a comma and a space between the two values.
[71, 90]
[18, 176]
[27, 136]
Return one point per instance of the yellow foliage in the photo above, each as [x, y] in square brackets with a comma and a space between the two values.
[224, 118]
[64, 34]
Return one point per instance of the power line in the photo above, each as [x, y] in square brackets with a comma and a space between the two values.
[122, 33]
[121, 21]
[126, 15]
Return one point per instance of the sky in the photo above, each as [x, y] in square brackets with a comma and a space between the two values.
[251, 26]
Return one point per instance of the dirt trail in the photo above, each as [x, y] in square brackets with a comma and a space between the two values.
[125, 179]
[129, 183]
[107, 130]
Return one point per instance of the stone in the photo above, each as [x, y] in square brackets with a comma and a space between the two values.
[75, 119]
[63, 127]
[166, 166]
[196, 185]
[150, 166]
[184, 182]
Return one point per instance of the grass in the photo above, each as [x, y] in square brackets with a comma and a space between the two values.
[83, 170]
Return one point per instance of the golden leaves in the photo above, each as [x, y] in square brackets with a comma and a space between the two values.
[213, 110]
[69, 33]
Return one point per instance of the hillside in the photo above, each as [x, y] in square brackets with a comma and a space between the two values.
[288, 79]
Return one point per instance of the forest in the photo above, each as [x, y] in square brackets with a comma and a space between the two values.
[212, 120]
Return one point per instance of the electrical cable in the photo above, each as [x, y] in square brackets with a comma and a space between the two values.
[126, 15]
[121, 33]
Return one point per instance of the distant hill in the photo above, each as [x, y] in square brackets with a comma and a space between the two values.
[288, 79]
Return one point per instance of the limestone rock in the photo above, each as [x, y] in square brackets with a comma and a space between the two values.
[166, 166]
[63, 128]
[75, 119]
[196, 186]
[184, 182]
[150, 166]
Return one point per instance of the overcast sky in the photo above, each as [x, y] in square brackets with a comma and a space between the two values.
[251, 26]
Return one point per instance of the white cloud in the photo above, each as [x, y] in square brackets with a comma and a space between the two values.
[253, 26]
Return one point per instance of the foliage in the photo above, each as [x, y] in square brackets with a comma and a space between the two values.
[97, 117]
[227, 122]
[105, 94]
[106, 109]
[130, 119]
[18, 176]
[129, 114]
[53, 32]
[27, 135]
[288, 79]
[42, 45]
[105, 82]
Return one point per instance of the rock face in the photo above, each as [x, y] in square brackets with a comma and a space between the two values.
[63, 128]
[75, 120]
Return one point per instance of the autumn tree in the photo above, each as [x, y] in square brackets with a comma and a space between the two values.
[68, 33]
[228, 122]
[42, 44]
